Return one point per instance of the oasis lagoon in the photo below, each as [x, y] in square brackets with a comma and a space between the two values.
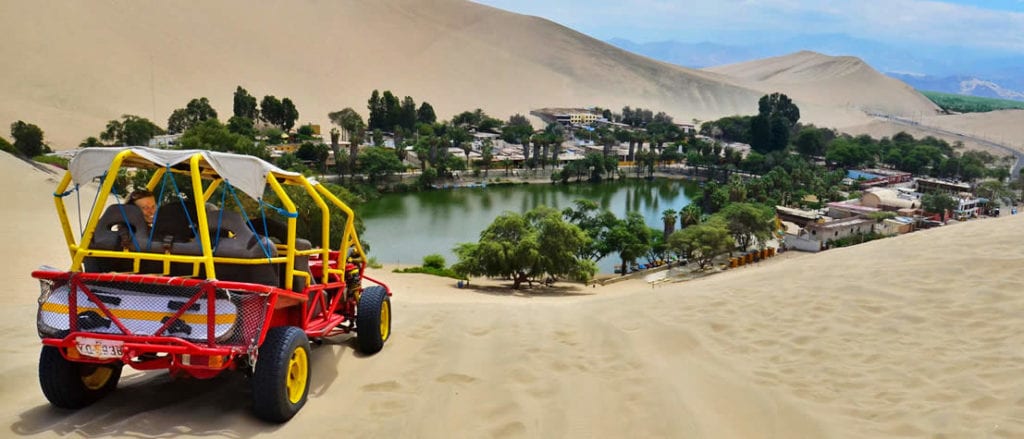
[403, 228]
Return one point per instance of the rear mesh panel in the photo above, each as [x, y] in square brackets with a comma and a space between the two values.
[143, 308]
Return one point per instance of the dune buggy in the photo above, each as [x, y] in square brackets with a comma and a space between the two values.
[217, 280]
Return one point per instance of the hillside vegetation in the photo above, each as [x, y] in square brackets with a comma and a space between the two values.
[971, 104]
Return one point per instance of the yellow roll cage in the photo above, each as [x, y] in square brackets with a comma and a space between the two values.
[200, 170]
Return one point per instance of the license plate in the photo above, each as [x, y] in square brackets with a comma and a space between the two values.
[98, 348]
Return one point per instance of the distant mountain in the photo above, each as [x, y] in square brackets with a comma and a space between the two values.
[963, 85]
[945, 69]
[708, 54]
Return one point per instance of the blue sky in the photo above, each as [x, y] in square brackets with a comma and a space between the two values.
[990, 26]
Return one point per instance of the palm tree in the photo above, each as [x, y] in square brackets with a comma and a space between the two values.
[737, 190]
[350, 121]
[690, 215]
[487, 155]
[668, 217]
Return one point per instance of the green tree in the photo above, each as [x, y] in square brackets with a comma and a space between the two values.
[425, 114]
[486, 155]
[243, 126]
[130, 130]
[281, 113]
[460, 138]
[352, 123]
[525, 247]
[778, 104]
[770, 129]
[245, 104]
[702, 243]
[90, 142]
[518, 131]
[596, 223]
[810, 142]
[289, 114]
[407, 115]
[690, 215]
[392, 112]
[994, 190]
[630, 238]
[28, 139]
[747, 223]
[377, 110]
[271, 110]
[668, 218]
[197, 110]
[214, 136]
[315, 153]
[938, 202]
[378, 162]
[7, 147]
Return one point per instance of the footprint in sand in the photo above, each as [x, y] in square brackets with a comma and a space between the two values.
[383, 386]
[511, 429]
[479, 332]
[456, 378]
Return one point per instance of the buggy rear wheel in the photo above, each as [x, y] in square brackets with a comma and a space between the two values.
[71, 385]
[373, 319]
[280, 384]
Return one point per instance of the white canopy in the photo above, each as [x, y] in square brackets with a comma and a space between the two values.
[246, 173]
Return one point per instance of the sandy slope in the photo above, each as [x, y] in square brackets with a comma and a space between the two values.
[916, 336]
[824, 86]
[81, 64]
[1005, 127]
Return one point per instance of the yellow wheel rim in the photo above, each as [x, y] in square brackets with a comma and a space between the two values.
[385, 320]
[298, 373]
[95, 377]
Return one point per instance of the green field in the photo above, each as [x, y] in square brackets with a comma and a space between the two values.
[970, 104]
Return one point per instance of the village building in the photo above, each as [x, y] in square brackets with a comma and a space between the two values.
[816, 236]
[895, 226]
[930, 185]
[888, 200]
[799, 217]
[847, 209]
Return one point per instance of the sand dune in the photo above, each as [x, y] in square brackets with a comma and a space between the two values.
[826, 86]
[1005, 127]
[916, 336]
[84, 63]
[149, 58]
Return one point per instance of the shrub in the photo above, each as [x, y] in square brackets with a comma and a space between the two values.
[434, 261]
[57, 161]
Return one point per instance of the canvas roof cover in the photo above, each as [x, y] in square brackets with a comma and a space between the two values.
[246, 173]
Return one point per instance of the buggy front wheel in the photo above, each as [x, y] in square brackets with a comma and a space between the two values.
[373, 319]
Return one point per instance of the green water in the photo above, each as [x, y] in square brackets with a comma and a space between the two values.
[403, 228]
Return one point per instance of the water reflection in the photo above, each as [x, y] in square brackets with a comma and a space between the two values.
[402, 228]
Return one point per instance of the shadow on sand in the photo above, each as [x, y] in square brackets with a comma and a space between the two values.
[526, 291]
[153, 404]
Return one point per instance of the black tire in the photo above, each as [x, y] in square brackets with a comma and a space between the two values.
[280, 384]
[373, 319]
[70, 385]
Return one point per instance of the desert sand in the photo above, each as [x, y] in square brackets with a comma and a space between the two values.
[81, 64]
[915, 336]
